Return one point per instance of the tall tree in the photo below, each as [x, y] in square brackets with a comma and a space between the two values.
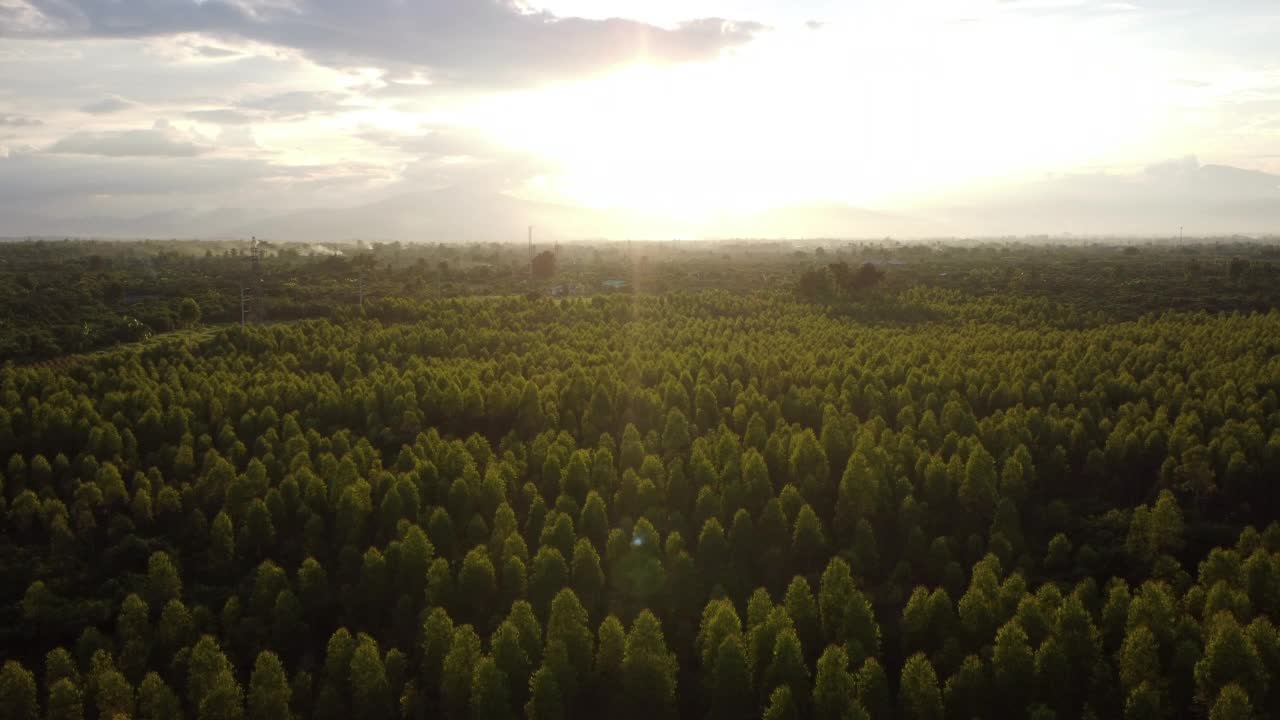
[545, 701]
[455, 675]
[567, 625]
[649, 670]
[834, 695]
[788, 667]
[490, 693]
[1232, 704]
[1013, 668]
[611, 648]
[66, 702]
[918, 694]
[731, 695]
[156, 701]
[269, 689]
[512, 660]
[371, 693]
[18, 692]
[847, 616]
[781, 705]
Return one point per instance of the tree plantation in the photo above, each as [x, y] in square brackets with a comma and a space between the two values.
[701, 504]
[76, 295]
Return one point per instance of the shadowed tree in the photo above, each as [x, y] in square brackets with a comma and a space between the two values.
[477, 585]
[675, 435]
[512, 660]
[490, 692]
[163, 581]
[1013, 669]
[434, 643]
[188, 313]
[371, 693]
[648, 670]
[588, 578]
[788, 667]
[833, 687]
[871, 686]
[156, 701]
[731, 695]
[719, 621]
[781, 705]
[545, 701]
[113, 695]
[611, 647]
[17, 692]
[1229, 657]
[268, 689]
[65, 702]
[134, 633]
[1144, 702]
[1139, 659]
[456, 671]
[808, 539]
[1232, 704]
[550, 574]
[803, 609]
[918, 694]
[567, 625]
[211, 685]
[846, 615]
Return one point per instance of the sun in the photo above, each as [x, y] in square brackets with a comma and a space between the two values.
[863, 118]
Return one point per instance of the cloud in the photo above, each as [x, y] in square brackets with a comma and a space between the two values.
[459, 41]
[455, 156]
[294, 105]
[42, 178]
[442, 141]
[214, 52]
[18, 16]
[297, 104]
[159, 141]
[221, 116]
[19, 121]
[82, 187]
[106, 106]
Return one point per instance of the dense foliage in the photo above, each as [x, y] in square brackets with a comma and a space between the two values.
[696, 505]
[73, 296]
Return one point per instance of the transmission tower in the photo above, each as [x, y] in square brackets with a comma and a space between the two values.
[255, 256]
[251, 286]
[245, 294]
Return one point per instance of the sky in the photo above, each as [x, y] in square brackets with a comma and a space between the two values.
[696, 117]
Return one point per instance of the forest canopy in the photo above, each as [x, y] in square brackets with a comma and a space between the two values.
[924, 502]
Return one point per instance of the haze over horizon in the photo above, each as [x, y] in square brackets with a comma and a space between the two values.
[446, 119]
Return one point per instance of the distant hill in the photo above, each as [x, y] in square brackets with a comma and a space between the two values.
[1202, 199]
[449, 214]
